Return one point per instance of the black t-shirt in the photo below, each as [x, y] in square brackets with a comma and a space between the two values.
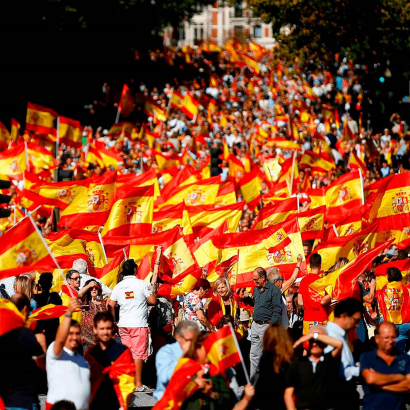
[106, 397]
[17, 380]
[49, 326]
[314, 390]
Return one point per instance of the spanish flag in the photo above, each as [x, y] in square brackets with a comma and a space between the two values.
[121, 128]
[152, 109]
[356, 163]
[180, 387]
[164, 160]
[70, 132]
[11, 318]
[342, 283]
[185, 176]
[131, 214]
[272, 170]
[135, 180]
[347, 133]
[126, 104]
[283, 143]
[205, 218]
[203, 192]
[168, 218]
[222, 349]
[393, 300]
[46, 312]
[22, 250]
[226, 195]
[109, 273]
[92, 207]
[381, 272]
[39, 157]
[15, 130]
[250, 186]
[396, 227]
[311, 223]
[40, 120]
[250, 61]
[190, 106]
[110, 158]
[13, 162]
[274, 214]
[317, 162]
[374, 186]
[4, 134]
[176, 99]
[236, 169]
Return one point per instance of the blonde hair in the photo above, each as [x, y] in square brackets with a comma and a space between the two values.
[227, 284]
[24, 285]
[338, 264]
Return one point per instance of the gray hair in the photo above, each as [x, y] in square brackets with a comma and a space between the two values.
[317, 327]
[273, 275]
[80, 265]
[186, 326]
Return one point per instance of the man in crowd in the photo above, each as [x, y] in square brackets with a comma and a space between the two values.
[267, 310]
[348, 314]
[168, 356]
[68, 373]
[385, 371]
[20, 351]
[133, 296]
[104, 354]
[312, 379]
[314, 312]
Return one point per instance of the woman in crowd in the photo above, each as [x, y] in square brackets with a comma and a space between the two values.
[94, 304]
[193, 306]
[271, 380]
[24, 285]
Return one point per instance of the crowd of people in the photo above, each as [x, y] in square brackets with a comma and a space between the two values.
[302, 350]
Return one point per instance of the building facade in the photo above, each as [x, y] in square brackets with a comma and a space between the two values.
[219, 24]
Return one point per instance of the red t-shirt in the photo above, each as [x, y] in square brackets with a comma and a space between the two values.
[313, 310]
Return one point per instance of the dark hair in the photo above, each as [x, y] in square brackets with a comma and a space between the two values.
[402, 254]
[261, 272]
[128, 267]
[394, 275]
[202, 283]
[384, 323]
[103, 317]
[307, 243]
[71, 273]
[197, 342]
[74, 323]
[64, 405]
[349, 306]
[46, 281]
[224, 320]
[21, 301]
[315, 261]
[87, 296]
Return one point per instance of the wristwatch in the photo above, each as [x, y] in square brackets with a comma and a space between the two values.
[315, 335]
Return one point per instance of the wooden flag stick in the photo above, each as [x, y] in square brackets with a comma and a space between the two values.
[240, 354]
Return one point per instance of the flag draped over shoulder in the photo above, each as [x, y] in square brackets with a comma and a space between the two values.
[11, 318]
[381, 272]
[180, 387]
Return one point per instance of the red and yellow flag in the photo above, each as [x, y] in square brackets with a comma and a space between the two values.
[70, 132]
[46, 312]
[92, 207]
[39, 157]
[152, 109]
[126, 104]
[226, 195]
[40, 120]
[11, 317]
[4, 135]
[317, 162]
[311, 223]
[13, 162]
[356, 163]
[402, 265]
[131, 213]
[176, 99]
[222, 349]
[190, 106]
[251, 188]
[236, 168]
[22, 250]
[15, 130]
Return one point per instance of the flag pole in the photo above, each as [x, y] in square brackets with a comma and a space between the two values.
[240, 354]
[292, 173]
[27, 160]
[169, 102]
[361, 183]
[125, 253]
[49, 251]
[58, 137]
[15, 216]
[118, 115]
[335, 230]
[102, 245]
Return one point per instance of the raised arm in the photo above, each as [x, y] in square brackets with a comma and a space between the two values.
[83, 291]
[327, 340]
[287, 284]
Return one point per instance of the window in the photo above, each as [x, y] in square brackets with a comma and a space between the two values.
[238, 10]
[195, 33]
[257, 32]
[238, 31]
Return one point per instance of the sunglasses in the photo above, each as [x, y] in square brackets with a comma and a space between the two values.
[76, 278]
[95, 288]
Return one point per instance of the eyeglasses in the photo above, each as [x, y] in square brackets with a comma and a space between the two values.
[279, 280]
[255, 279]
[95, 288]
[76, 278]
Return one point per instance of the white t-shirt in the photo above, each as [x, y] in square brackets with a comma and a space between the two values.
[68, 377]
[131, 294]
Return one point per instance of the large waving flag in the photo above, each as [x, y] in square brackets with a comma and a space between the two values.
[11, 318]
[44, 313]
[92, 207]
[152, 109]
[169, 217]
[126, 104]
[39, 157]
[190, 106]
[13, 162]
[251, 188]
[70, 132]
[134, 180]
[40, 120]
[23, 250]
[311, 223]
[226, 195]
[356, 163]
[131, 214]
[317, 162]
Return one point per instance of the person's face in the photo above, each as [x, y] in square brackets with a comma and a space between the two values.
[73, 339]
[74, 281]
[103, 331]
[185, 339]
[306, 250]
[94, 292]
[316, 348]
[386, 340]
[278, 283]
[202, 356]
[259, 280]
[289, 305]
[222, 290]
[350, 322]
[201, 293]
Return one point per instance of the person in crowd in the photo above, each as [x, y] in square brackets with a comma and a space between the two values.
[133, 296]
[385, 371]
[68, 373]
[194, 308]
[314, 311]
[313, 379]
[21, 351]
[80, 265]
[347, 316]
[270, 380]
[72, 289]
[93, 304]
[223, 302]
[24, 285]
[394, 300]
[267, 310]
[102, 355]
[295, 316]
[168, 356]
[63, 405]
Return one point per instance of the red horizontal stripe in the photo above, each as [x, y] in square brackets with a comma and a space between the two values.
[45, 264]
[37, 107]
[12, 152]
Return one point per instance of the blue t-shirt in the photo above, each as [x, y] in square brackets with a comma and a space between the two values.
[374, 397]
